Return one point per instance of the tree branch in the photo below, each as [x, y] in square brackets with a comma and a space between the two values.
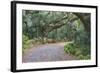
[58, 26]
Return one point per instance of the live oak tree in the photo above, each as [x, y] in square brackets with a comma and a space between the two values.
[57, 26]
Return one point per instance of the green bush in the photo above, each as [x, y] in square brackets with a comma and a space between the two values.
[77, 50]
[24, 41]
[28, 43]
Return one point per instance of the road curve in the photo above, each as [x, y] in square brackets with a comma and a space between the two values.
[47, 52]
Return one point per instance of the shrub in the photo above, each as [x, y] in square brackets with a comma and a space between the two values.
[82, 52]
[78, 52]
[24, 41]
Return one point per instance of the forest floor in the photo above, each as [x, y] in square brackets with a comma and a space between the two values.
[47, 52]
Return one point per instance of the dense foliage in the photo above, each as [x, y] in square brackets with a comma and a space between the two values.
[40, 27]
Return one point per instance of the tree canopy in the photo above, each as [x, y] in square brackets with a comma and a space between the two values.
[41, 23]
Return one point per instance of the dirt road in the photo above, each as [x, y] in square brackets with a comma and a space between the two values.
[47, 52]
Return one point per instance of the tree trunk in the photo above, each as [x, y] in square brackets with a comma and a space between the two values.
[85, 20]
